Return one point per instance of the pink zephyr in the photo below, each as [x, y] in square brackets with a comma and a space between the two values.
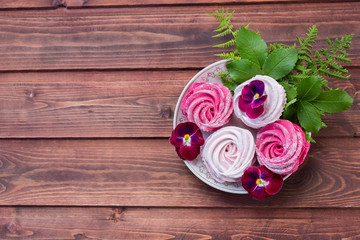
[281, 146]
[209, 105]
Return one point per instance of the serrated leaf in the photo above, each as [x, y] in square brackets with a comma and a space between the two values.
[309, 88]
[280, 62]
[251, 46]
[242, 69]
[290, 90]
[309, 117]
[333, 101]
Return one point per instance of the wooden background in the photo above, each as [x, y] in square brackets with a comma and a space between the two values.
[87, 94]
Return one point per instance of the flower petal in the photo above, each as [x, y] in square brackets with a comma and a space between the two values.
[188, 152]
[176, 141]
[247, 93]
[248, 180]
[258, 87]
[254, 112]
[259, 193]
[244, 104]
[178, 153]
[275, 184]
[185, 128]
[265, 174]
[258, 102]
[197, 139]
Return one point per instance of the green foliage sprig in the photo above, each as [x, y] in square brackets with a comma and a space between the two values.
[225, 28]
[300, 71]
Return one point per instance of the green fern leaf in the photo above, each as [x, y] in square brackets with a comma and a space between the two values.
[226, 32]
[227, 44]
[225, 28]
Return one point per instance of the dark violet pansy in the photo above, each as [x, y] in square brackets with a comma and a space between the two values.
[261, 183]
[187, 139]
[252, 99]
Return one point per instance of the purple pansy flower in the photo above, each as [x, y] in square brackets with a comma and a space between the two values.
[252, 99]
[187, 139]
[261, 183]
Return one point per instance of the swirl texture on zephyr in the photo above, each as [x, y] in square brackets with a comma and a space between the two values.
[209, 105]
[228, 152]
[273, 106]
[281, 147]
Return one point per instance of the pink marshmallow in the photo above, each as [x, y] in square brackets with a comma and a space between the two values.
[209, 105]
[281, 146]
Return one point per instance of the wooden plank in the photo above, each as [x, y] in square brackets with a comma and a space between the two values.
[22, 4]
[176, 37]
[116, 104]
[178, 223]
[129, 104]
[138, 172]
[4, 4]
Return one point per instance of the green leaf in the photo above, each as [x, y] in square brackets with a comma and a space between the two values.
[280, 62]
[290, 90]
[309, 138]
[242, 69]
[288, 104]
[290, 113]
[309, 88]
[333, 101]
[251, 46]
[309, 117]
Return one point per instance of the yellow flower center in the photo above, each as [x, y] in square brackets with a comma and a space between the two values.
[256, 96]
[186, 137]
[261, 182]
[187, 140]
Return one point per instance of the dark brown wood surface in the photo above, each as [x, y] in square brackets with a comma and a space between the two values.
[25, 4]
[155, 37]
[87, 96]
[110, 104]
[178, 223]
[148, 173]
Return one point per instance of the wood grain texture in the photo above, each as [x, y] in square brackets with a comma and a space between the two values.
[116, 104]
[132, 108]
[138, 172]
[168, 37]
[177, 223]
[22, 4]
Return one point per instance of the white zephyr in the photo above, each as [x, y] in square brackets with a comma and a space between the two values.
[228, 152]
[273, 105]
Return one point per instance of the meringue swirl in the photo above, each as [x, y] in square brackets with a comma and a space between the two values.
[209, 105]
[228, 152]
[273, 106]
[281, 147]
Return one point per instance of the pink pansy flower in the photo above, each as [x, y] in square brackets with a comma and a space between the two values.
[252, 99]
[187, 139]
[261, 183]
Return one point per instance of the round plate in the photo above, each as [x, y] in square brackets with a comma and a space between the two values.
[197, 166]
